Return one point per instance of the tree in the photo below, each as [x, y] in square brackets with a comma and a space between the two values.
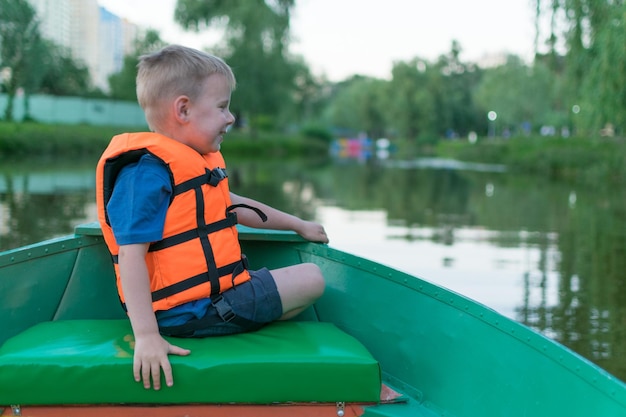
[603, 92]
[35, 67]
[412, 108]
[453, 83]
[256, 43]
[358, 106]
[519, 95]
[20, 41]
[64, 76]
[595, 59]
[309, 96]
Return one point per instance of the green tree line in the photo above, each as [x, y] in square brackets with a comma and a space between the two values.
[576, 85]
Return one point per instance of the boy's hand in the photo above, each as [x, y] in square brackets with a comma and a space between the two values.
[151, 356]
[312, 231]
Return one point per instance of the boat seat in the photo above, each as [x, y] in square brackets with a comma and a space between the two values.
[90, 362]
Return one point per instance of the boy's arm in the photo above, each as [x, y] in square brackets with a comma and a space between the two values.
[151, 349]
[277, 219]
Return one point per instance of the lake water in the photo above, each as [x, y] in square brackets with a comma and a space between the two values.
[552, 256]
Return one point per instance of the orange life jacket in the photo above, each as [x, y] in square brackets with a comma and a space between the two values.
[199, 255]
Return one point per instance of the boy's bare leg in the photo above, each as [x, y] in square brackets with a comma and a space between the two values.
[299, 286]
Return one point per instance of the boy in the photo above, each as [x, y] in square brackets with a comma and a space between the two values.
[168, 219]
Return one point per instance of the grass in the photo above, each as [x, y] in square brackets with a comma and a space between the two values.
[21, 140]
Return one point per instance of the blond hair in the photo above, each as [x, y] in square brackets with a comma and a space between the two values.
[173, 71]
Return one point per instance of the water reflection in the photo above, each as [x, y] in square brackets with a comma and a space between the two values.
[549, 255]
[42, 201]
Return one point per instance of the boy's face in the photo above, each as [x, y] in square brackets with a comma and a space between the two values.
[209, 116]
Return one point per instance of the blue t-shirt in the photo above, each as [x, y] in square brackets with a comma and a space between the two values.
[139, 202]
[137, 209]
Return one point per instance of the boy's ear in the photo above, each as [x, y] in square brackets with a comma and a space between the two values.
[181, 109]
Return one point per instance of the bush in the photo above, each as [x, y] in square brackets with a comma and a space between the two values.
[317, 132]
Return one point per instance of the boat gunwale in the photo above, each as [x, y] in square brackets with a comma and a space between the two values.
[47, 248]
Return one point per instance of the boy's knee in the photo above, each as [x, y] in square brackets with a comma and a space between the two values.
[299, 284]
[316, 280]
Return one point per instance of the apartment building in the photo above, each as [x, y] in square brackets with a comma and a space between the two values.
[93, 35]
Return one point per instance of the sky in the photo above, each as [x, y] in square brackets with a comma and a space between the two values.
[339, 38]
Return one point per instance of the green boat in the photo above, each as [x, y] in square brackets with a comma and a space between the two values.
[378, 343]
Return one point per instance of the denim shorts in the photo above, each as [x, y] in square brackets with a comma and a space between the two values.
[256, 300]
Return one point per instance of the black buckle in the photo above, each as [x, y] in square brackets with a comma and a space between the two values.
[215, 176]
[223, 308]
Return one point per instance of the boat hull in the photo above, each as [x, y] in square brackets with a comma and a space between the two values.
[446, 354]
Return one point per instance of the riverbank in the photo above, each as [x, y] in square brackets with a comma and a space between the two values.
[20, 140]
[593, 162]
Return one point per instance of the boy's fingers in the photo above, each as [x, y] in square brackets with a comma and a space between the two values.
[175, 350]
[152, 371]
[145, 375]
[156, 377]
[167, 367]
[167, 372]
[137, 370]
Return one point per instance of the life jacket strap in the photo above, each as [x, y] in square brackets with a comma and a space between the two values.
[211, 177]
[225, 315]
[258, 211]
[234, 269]
[229, 221]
